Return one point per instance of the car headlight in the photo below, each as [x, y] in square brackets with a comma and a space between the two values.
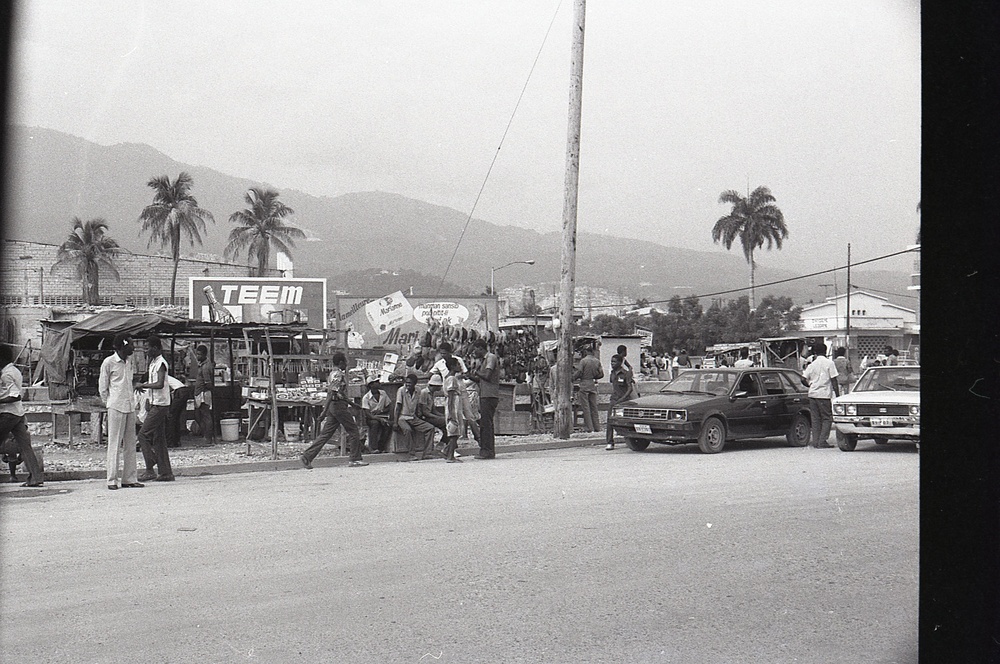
[618, 411]
[914, 410]
[852, 409]
[838, 409]
[677, 416]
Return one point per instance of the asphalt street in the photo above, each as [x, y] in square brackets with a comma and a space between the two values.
[762, 553]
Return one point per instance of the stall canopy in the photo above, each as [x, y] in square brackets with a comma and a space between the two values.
[55, 353]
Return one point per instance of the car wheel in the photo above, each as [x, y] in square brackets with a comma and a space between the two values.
[712, 437]
[798, 435]
[881, 440]
[636, 444]
[847, 441]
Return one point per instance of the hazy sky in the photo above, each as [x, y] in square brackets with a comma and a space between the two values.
[820, 101]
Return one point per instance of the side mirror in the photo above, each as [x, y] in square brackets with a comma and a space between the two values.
[738, 394]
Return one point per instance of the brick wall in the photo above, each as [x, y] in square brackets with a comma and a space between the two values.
[27, 277]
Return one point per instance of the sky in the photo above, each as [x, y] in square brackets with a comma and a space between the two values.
[820, 101]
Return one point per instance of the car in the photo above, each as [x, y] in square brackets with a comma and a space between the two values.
[883, 405]
[712, 406]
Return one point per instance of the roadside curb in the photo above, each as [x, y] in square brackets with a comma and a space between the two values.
[319, 462]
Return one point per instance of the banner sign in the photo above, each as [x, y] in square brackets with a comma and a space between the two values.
[398, 321]
[647, 337]
[258, 300]
[389, 312]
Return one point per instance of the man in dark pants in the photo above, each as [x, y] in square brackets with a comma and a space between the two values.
[12, 415]
[153, 434]
[336, 413]
[488, 377]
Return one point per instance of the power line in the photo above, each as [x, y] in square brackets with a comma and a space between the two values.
[875, 290]
[497, 153]
[773, 283]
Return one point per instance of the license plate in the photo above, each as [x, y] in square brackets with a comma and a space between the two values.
[881, 421]
[642, 428]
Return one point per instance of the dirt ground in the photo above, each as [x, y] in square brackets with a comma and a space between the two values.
[84, 455]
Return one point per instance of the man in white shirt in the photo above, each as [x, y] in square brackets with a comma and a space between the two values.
[744, 361]
[12, 419]
[153, 434]
[821, 377]
[115, 386]
[441, 366]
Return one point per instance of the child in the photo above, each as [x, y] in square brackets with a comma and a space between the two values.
[452, 409]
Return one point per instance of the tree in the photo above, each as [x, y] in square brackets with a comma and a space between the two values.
[174, 212]
[261, 229]
[88, 248]
[755, 220]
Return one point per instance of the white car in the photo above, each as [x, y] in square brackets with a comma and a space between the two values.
[884, 405]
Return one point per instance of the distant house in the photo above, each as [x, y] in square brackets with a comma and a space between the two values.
[875, 323]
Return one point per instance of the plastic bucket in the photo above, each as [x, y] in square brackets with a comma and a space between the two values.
[230, 430]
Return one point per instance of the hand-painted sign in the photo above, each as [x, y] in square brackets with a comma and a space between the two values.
[389, 312]
[472, 313]
[258, 300]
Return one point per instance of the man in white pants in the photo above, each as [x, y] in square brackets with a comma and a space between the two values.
[116, 388]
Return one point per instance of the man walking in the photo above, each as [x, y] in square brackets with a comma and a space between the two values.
[588, 374]
[153, 434]
[12, 419]
[336, 413]
[622, 385]
[116, 385]
[488, 377]
[821, 377]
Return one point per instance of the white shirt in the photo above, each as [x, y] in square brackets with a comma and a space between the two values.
[10, 386]
[743, 363]
[115, 383]
[160, 397]
[440, 368]
[820, 374]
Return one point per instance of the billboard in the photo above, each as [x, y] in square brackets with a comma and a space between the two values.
[258, 300]
[399, 321]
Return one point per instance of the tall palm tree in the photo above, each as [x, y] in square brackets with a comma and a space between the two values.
[89, 248]
[755, 220]
[261, 228]
[174, 212]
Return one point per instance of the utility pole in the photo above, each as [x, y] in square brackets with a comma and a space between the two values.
[847, 326]
[563, 424]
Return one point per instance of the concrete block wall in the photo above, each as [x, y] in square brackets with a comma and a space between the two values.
[27, 277]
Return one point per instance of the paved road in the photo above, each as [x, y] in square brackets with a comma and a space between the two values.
[760, 554]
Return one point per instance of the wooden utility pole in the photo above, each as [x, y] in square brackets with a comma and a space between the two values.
[847, 325]
[563, 424]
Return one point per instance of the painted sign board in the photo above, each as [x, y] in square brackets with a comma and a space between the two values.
[364, 317]
[258, 300]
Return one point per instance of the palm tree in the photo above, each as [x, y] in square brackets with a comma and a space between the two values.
[88, 248]
[755, 220]
[261, 228]
[174, 212]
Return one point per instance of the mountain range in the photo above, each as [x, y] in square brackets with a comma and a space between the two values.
[53, 176]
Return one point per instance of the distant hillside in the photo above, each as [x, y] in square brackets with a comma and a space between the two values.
[56, 177]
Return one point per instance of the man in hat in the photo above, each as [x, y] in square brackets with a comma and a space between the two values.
[116, 386]
[406, 417]
[377, 408]
[12, 419]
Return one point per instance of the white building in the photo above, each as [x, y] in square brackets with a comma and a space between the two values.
[875, 323]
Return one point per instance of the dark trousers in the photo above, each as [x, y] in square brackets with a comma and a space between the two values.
[153, 441]
[611, 431]
[821, 411]
[178, 413]
[487, 435]
[16, 425]
[591, 415]
[337, 415]
[379, 434]
[420, 433]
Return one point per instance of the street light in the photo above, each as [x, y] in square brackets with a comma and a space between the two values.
[493, 290]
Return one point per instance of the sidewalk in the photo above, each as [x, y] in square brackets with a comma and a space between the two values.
[197, 460]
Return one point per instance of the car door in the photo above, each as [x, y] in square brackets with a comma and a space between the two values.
[796, 394]
[777, 418]
[746, 408]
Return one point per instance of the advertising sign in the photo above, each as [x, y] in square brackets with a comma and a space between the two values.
[258, 300]
[398, 321]
[647, 337]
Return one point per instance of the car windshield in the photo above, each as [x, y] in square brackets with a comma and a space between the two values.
[895, 379]
[716, 383]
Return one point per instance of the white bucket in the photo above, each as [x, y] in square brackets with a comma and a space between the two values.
[230, 430]
[293, 431]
